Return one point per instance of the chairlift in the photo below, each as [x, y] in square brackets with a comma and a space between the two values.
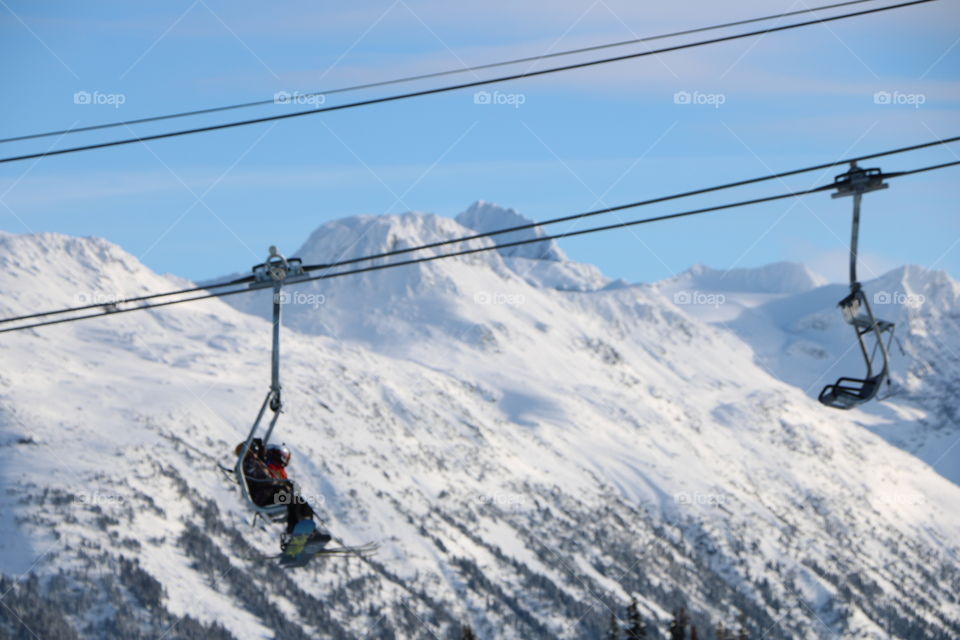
[848, 392]
[274, 273]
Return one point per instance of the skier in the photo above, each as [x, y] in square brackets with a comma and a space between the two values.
[267, 480]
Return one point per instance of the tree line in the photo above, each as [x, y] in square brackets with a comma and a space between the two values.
[633, 626]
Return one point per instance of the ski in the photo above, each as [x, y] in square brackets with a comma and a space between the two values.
[360, 550]
[363, 550]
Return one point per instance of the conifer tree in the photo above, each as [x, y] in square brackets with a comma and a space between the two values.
[678, 626]
[614, 632]
[742, 620]
[636, 628]
[721, 632]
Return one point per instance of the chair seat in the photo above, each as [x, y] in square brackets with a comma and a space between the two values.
[847, 393]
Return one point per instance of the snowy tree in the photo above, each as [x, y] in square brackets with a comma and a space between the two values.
[613, 632]
[721, 632]
[742, 634]
[636, 628]
[678, 626]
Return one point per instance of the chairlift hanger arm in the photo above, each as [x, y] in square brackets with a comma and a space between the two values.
[273, 273]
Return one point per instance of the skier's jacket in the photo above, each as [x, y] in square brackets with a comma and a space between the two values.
[260, 483]
[277, 471]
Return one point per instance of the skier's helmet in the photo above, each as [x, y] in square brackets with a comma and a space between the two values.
[278, 454]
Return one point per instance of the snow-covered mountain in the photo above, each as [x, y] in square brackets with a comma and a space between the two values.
[426, 310]
[484, 217]
[790, 319]
[532, 447]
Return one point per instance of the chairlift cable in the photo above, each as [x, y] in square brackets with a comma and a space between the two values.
[642, 203]
[425, 76]
[432, 245]
[475, 250]
[455, 87]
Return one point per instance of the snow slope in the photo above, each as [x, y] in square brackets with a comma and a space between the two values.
[530, 454]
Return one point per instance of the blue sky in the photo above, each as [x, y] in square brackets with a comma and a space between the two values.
[210, 204]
